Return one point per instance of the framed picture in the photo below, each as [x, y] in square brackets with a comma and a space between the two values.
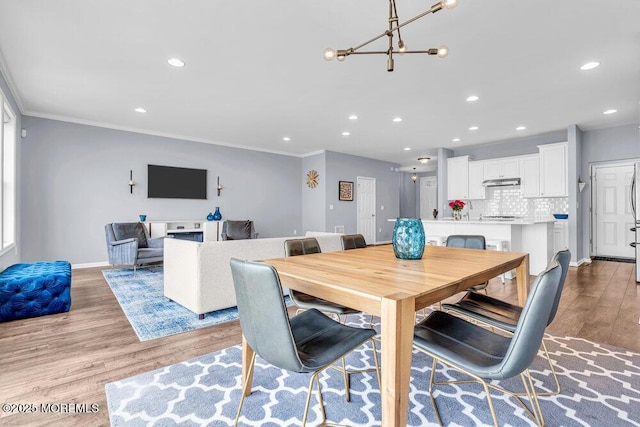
[345, 191]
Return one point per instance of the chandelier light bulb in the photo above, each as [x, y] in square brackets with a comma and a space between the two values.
[402, 48]
[449, 4]
[329, 54]
[443, 51]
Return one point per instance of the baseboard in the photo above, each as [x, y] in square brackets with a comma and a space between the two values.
[580, 262]
[90, 265]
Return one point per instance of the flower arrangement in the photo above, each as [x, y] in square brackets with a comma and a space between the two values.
[456, 205]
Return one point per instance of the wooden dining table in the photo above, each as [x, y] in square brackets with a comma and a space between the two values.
[373, 280]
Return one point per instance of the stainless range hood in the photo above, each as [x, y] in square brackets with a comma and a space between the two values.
[505, 182]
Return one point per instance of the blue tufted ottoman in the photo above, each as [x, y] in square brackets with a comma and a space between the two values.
[31, 290]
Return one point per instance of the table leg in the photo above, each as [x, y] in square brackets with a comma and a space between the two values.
[522, 280]
[247, 354]
[397, 342]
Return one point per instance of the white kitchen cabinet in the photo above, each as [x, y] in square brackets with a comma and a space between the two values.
[530, 176]
[553, 170]
[560, 235]
[458, 178]
[502, 168]
[476, 176]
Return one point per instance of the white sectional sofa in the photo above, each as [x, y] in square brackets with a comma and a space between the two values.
[197, 275]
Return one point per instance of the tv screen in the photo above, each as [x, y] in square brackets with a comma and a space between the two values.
[169, 182]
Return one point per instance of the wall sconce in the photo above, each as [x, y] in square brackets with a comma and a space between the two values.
[581, 184]
[424, 160]
[414, 177]
[131, 183]
[218, 187]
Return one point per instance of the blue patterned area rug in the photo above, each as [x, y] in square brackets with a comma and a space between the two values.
[151, 314]
[600, 386]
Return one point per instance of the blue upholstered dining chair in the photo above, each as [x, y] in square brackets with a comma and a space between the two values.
[128, 243]
[304, 246]
[352, 241]
[503, 315]
[469, 242]
[309, 342]
[485, 355]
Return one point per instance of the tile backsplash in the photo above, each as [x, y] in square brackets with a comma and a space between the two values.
[508, 201]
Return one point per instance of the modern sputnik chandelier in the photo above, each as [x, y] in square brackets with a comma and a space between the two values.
[394, 28]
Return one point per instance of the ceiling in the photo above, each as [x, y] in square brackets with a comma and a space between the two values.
[255, 73]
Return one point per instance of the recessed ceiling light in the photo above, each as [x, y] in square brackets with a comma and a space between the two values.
[140, 110]
[589, 66]
[407, 148]
[176, 62]
[474, 128]
[346, 133]
[521, 128]
[397, 119]
[456, 140]
[286, 139]
[353, 117]
[472, 98]
[611, 111]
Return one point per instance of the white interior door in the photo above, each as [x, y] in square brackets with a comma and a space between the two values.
[612, 211]
[366, 196]
[428, 196]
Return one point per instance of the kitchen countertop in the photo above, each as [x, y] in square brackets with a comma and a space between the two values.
[519, 221]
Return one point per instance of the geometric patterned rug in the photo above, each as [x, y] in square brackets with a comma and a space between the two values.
[151, 314]
[600, 387]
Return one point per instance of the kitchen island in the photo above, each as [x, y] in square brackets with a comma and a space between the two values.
[533, 236]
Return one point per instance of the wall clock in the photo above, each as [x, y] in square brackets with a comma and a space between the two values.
[312, 178]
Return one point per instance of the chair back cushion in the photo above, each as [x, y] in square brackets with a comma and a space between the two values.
[353, 241]
[263, 313]
[465, 241]
[238, 230]
[308, 245]
[529, 331]
[128, 230]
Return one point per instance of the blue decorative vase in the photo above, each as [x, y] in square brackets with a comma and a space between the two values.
[217, 216]
[408, 238]
[210, 217]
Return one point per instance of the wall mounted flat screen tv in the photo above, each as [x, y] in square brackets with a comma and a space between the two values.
[168, 182]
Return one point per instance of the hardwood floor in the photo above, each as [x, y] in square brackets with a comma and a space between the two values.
[68, 358]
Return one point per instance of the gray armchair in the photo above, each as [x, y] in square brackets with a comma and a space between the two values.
[238, 230]
[128, 243]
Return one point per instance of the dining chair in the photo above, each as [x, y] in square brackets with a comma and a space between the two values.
[485, 355]
[352, 241]
[469, 242]
[309, 245]
[304, 246]
[306, 343]
[503, 315]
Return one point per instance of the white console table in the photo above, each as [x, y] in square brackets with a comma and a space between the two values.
[210, 230]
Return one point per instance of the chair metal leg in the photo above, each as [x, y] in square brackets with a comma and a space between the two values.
[535, 411]
[244, 387]
[347, 385]
[314, 378]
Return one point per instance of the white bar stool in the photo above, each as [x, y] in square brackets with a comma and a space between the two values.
[500, 245]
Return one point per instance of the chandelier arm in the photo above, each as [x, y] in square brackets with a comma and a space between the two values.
[436, 7]
[395, 15]
[385, 52]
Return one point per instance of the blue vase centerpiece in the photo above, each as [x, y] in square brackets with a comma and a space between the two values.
[210, 217]
[408, 238]
[217, 216]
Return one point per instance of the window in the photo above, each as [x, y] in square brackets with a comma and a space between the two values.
[8, 174]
